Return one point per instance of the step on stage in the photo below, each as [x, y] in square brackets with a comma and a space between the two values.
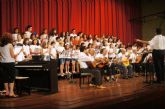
[123, 94]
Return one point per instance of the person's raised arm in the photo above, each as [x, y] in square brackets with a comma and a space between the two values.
[142, 41]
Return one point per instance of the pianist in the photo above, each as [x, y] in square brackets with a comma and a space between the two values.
[7, 64]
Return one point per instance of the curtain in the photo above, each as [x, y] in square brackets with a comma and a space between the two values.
[88, 16]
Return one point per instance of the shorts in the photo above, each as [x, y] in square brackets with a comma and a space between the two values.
[62, 60]
[67, 60]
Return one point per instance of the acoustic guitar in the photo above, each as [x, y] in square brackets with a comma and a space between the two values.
[125, 61]
[138, 59]
[101, 62]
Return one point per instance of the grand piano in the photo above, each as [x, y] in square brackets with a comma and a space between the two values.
[43, 74]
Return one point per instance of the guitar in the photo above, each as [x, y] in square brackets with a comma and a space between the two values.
[101, 62]
[125, 61]
[138, 59]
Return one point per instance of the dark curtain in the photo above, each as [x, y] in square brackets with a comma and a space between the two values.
[89, 16]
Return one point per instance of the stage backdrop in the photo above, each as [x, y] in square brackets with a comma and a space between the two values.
[89, 16]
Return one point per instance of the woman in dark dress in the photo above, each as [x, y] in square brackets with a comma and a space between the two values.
[7, 61]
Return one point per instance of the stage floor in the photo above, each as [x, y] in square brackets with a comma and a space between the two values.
[125, 93]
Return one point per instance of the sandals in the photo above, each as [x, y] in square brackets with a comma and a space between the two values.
[13, 96]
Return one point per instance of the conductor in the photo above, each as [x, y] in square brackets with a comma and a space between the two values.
[158, 45]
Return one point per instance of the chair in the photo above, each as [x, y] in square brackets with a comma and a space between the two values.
[84, 73]
[22, 84]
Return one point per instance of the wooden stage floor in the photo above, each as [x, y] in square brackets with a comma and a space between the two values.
[122, 94]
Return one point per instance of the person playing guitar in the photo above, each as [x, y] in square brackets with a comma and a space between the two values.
[101, 59]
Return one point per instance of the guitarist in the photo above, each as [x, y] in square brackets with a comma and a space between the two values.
[87, 66]
[101, 59]
[102, 63]
[135, 59]
[126, 64]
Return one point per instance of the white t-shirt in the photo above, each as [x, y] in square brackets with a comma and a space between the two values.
[116, 50]
[67, 54]
[45, 51]
[83, 58]
[26, 49]
[119, 56]
[53, 53]
[147, 57]
[73, 35]
[28, 34]
[44, 36]
[132, 57]
[6, 56]
[53, 38]
[101, 56]
[20, 42]
[140, 50]
[86, 43]
[60, 50]
[112, 55]
[92, 58]
[158, 42]
[14, 36]
[111, 50]
[75, 54]
[46, 54]
[21, 55]
[91, 41]
[35, 48]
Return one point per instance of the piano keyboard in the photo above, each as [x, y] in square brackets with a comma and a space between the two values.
[29, 66]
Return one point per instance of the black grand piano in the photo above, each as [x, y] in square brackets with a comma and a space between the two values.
[43, 74]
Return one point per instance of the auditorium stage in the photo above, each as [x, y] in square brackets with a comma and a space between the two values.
[131, 93]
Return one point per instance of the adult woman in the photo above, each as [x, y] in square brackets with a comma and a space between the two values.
[7, 64]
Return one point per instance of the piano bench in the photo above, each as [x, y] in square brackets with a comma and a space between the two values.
[22, 84]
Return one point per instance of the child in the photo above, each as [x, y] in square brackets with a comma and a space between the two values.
[67, 54]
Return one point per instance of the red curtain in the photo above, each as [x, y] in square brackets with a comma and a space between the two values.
[89, 16]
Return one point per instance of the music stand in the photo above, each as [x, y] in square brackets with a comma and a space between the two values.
[149, 69]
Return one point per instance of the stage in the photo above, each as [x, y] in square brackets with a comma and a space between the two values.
[125, 93]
